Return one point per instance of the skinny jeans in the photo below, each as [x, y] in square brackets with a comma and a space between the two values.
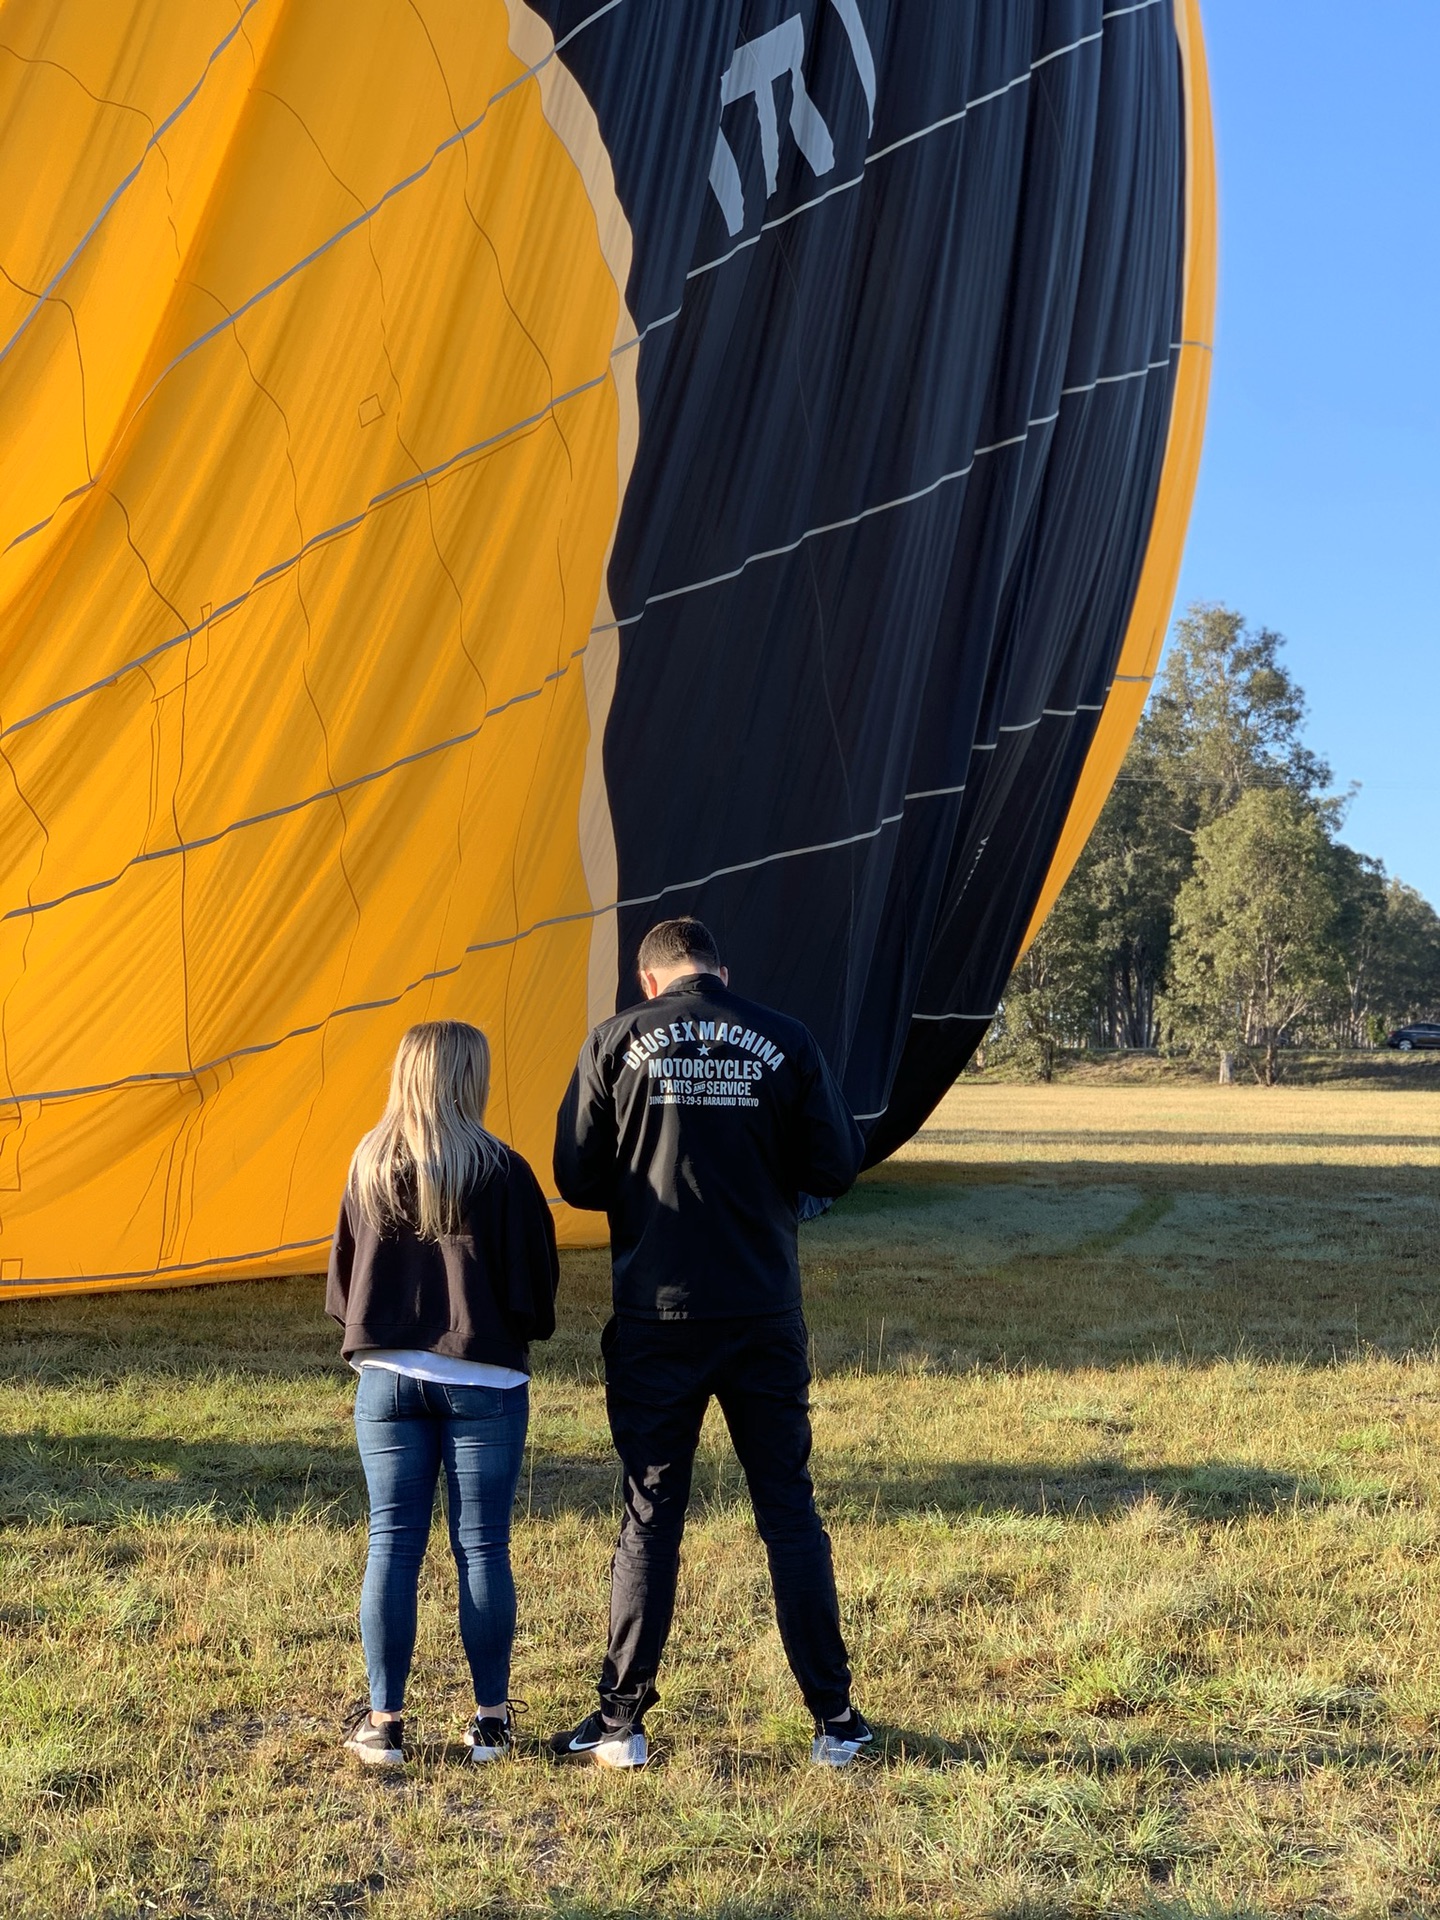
[407, 1430]
[660, 1376]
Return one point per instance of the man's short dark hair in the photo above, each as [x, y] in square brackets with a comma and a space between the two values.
[673, 942]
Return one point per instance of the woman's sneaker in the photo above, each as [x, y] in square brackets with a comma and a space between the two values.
[374, 1744]
[491, 1739]
[837, 1742]
[601, 1743]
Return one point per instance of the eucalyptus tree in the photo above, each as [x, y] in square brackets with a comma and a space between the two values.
[1257, 947]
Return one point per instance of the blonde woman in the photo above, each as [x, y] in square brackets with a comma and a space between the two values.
[442, 1270]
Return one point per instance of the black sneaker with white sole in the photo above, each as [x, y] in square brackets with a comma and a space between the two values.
[837, 1742]
[602, 1743]
[489, 1738]
[374, 1743]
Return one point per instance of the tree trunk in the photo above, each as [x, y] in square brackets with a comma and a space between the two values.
[1125, 1009]
[1227, 1069]
[1272, 1061]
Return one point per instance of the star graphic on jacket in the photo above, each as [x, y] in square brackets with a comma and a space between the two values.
[704, 1050]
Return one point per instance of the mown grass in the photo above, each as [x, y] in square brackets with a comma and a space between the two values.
[1126, 1412]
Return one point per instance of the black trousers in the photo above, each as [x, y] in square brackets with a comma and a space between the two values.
[659, 1378]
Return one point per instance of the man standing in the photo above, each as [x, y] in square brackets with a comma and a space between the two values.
[695, 1121]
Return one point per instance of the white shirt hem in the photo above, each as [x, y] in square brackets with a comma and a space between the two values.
[439, 1367]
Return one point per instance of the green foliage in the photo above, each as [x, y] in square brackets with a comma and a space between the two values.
[1227, 716]
[1363, 938]
[1051, 993]
[1405, 976]
[1127, 877]
[1225, 724]
[1256, 945]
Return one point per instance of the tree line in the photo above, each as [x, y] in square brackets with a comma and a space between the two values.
[1215, 910]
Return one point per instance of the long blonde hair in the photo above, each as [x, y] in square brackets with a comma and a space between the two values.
[431, 1147]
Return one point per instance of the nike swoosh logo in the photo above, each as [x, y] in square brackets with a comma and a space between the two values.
[583, 1746]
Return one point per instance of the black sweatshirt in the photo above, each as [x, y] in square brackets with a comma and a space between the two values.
[479, 1295]
[696, 1121]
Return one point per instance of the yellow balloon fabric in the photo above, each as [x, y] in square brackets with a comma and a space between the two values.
[306, 487]
[1150, 617]
[321, 458]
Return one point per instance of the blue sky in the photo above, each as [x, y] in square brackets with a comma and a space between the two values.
[1318, 512]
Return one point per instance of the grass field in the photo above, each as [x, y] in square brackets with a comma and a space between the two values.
[1127, 1414]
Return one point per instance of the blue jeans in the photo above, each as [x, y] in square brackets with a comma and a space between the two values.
[408, 1429]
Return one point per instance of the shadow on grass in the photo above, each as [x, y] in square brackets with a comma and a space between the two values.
[1105, 1263]
[862, 1907]
[91, 1479]
[107, 1478]
[1104, 1488]
[267, 1330]
[971, 1489]
[1179, 1142]
[1070, 1264]
[944, 1173]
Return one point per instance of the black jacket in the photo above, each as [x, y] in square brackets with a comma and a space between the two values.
[696, 1121]
[479, 1295]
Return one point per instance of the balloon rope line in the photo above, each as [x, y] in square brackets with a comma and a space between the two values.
[316, 253]
[921, 133]
[176, 1266]
[909, 139]
[169, 1076]
[280, 567]
[348, 525]
[129, 180]
[188, 1266]
[531, 693]
[296, 806]
[883, 506]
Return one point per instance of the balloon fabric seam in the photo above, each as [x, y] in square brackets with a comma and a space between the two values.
[461, 739]
[771, 539]
[769, 553]
[47, 292]
[709, 266]
[297, 266]
[173, 1075]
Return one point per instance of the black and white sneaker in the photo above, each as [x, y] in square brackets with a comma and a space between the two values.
[374, 1743]
[602, 1744]
[489, 1738]
[837, 1742]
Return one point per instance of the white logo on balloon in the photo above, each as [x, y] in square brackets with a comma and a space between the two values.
[754, 72]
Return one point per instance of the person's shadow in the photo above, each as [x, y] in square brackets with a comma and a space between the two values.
[107, 1478]
[101, 1479]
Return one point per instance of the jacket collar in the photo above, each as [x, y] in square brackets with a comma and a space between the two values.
[693, 983]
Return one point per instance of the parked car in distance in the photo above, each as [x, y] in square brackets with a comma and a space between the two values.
[1424, 1033]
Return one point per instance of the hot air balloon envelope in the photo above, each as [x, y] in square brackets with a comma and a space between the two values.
[480, 476]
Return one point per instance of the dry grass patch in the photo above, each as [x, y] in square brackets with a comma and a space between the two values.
[1185, 1124]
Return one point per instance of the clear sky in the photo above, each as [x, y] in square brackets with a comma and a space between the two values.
[1318, 512]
